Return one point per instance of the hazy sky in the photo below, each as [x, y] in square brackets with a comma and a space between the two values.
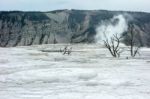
[48, 5]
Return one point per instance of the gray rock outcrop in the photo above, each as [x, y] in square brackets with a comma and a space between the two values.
[62, 26]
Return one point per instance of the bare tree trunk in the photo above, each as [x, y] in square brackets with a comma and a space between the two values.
[113, 48]
[133, 50]
[132, 39]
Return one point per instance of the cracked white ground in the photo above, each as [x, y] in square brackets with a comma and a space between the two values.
[88, 73]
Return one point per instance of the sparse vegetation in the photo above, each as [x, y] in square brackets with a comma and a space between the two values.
[67, 50]
[133, 49]
[113, 45]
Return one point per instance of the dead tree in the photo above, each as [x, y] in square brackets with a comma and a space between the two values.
[113, 45]
[133, 50]
[66, 50]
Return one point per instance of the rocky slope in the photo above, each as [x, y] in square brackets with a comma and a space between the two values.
[63, 26]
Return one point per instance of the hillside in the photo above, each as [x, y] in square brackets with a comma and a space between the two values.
[64, 26]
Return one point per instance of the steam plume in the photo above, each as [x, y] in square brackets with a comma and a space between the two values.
[116, 25]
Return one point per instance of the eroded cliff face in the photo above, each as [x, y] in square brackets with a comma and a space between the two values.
[62, 26]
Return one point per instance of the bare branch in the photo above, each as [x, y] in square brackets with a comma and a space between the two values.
[133, 50]
[113, 45]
